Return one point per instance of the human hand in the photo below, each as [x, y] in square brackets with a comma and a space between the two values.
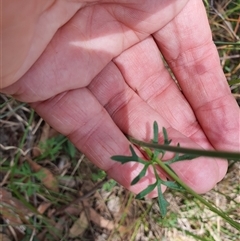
[101, 75]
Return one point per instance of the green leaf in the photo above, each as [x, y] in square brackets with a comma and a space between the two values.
[100, 174]
[141, 174]
[108, 186]
[187, 157]
[134, 155]
[183, 157]
[125, 159]
[70, 149]
[162, 202]
[165, 135]
[172, 185]
[155, 132]
[122, 159]
[155, 139]
[146, 190]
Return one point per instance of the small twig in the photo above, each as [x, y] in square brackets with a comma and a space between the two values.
[37, 126]
[78, 164]
[7, 148]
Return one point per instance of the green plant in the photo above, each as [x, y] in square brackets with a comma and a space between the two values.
[109, 185]
[99, 175]
[51, 147]
[155, 154]
[25, 182]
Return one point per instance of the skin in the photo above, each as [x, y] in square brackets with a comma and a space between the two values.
[93, 71]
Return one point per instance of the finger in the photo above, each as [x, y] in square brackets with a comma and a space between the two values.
[186, 44]
[78, 115]
[135, 117]
[82, 48]
[77, 53]
[144, 71]
[26, 33]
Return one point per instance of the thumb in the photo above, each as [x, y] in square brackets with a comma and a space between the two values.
[27, 28]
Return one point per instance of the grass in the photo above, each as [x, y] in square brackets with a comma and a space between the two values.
[66, 196]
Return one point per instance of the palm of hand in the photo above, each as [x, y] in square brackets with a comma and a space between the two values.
[102, 74]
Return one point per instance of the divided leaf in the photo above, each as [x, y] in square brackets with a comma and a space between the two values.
[165, 135]
[183, 157]
[173, 185]
[146, 190]
[162, 202]
[155, 132]
[155, 139]
[141, 174]
[178, 158]
[153, 159]
[125, 159]
[186, 157]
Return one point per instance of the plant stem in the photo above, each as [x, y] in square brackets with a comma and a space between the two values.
[200, 198]
[193, 152]
[226, 43]
[139, 222]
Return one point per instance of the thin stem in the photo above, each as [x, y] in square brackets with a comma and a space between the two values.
[201, 199]
[193, 152]
[226, 43]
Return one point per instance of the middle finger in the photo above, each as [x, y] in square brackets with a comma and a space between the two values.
[135, 117]
[144, 70]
